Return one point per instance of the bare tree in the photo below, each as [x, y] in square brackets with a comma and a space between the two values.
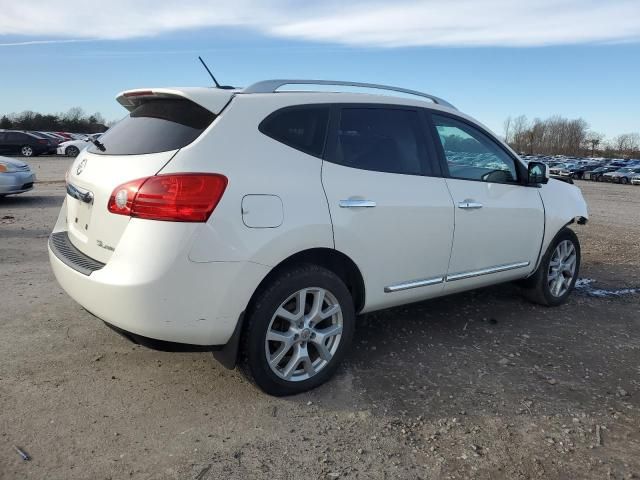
[507, 129]
[593, 141]
[555, 135]
[627, 144]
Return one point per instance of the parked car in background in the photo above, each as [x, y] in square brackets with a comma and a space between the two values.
[71, 148]
[574, 171]
[15, 176]
[53, 141]
[622, 175]
[595, 175]
[24, 143]
[65, 135]
[56, 138]
[165, 235]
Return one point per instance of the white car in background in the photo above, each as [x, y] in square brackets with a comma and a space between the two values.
[71, 148]
[256, 222]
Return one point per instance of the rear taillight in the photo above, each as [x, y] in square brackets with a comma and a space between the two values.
[43, 141]
[178, 197]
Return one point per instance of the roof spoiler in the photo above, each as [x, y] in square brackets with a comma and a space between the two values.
[213, 99]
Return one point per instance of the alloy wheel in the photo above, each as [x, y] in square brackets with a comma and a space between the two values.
[562, 268]
[304, 334]
[26, 151]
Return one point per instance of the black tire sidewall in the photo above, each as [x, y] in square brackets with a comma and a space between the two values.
[72, 151]
[260, 316]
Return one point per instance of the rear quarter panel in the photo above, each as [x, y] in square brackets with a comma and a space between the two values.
[256, 164]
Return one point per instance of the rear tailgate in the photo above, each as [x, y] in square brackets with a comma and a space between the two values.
[90, 182]
[160, 123]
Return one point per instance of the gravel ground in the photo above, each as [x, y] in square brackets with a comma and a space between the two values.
[477, 385]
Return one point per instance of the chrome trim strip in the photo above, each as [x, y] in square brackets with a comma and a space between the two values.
[356, 203]
[414, 284]
[486, 271]
[80, 193]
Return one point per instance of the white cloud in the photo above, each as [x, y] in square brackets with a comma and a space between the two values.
[373, 23]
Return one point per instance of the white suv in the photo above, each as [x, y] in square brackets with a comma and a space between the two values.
[256, 223]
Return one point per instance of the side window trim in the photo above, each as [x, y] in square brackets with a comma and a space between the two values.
[427, 163]
[520, 169]
[433, 154]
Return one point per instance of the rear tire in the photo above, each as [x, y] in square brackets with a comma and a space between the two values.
[27, 151]
[556, 276]
[298, 329]
[624, 180]
[72, 151]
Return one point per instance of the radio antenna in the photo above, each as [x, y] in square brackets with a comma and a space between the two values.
[224, 87]
[209, 72]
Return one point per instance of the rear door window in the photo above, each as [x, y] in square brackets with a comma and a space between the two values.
[16, 137]
[301, 127]
[380, 139]
[158, 125]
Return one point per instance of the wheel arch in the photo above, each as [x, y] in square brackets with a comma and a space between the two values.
[564, 205]
[329, 258]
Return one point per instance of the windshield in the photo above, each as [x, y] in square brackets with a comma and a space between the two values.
[158, 125]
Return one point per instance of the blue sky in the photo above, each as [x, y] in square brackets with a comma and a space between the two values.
[518, 64]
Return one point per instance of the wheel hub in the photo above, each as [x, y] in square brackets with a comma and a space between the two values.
[304, 334]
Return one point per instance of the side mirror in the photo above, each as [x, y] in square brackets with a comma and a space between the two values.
[537, 173]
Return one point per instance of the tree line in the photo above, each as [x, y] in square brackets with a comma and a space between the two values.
[75, 120]
[562, 136]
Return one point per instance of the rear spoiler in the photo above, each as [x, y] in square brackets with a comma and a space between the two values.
[213, 99]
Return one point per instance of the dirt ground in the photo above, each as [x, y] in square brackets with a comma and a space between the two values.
[477, 385]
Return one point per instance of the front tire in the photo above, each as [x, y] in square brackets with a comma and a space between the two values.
[556, 276]
[624, 180]
[298, 330]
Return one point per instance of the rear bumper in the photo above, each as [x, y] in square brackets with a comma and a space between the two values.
[16, 182]
[176, 301]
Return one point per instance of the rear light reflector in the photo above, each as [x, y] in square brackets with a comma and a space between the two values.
[176, 197]
[139, 93]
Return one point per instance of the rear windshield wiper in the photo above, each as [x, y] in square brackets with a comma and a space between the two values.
[98, 144]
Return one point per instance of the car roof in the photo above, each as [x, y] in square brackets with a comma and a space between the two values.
[214, 99]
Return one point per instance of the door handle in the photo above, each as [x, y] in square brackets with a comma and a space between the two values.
[470, 204]
[80, 194]
[356, 203]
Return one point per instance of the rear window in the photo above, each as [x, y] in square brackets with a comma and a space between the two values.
[158, 125]
[302, 127]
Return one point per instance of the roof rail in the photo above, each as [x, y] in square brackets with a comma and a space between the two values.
[270, 86]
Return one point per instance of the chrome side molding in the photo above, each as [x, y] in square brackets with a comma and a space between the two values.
[486, 271]
[413, 284]
[452, 278]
